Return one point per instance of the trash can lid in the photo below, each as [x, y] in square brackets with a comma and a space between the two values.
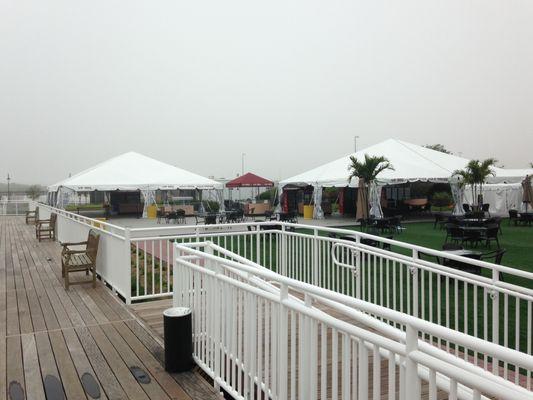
[176, 311]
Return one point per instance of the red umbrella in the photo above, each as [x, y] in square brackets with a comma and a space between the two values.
[249, 180]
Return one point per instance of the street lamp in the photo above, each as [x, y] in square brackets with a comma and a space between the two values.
[8, 179]
[355, 143]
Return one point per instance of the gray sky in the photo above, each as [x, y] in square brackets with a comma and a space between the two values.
[196, 83]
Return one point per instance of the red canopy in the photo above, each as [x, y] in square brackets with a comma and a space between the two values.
[249, 180]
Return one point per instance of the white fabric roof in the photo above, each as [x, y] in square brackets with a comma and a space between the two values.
[134, 171]
[410, 161]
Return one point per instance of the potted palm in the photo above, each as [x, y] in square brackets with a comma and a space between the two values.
[366, 171]
[475, 175]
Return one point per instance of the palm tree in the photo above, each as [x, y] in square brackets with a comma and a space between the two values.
[475, 174]
[368, 170]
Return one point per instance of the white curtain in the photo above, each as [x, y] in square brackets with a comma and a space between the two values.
[64, 197]
[220, 198]
[317, 198]
[201, 208]
[280, 193]
[149, 199]
[458, 193]
[375, 200]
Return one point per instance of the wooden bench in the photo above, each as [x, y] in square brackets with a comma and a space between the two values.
[46, 228]
[32, 216]
[74, 259]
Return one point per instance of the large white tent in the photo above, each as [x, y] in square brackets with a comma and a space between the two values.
[134, 171]
[131, 172]
[411, 163]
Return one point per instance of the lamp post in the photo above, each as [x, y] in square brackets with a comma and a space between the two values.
[355, 143]
[8, 179]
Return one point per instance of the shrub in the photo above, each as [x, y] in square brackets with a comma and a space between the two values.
[442, 199]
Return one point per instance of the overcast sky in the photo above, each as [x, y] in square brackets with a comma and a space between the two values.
[289, 83]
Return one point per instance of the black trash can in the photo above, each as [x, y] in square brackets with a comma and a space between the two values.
[178, 339]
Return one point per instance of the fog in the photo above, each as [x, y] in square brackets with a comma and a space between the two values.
[289, 83]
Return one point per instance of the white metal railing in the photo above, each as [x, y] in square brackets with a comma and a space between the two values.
[260, 334]
[482, 306]
[16, 207]
[137, 264]
[113, 262]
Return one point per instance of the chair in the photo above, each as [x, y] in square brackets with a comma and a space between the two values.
[32, 216]
[395, 224]
[451, 246]
[466, 208]
[439, 219]
[199, 219]
[454, 233]
[180, 216]
[473, 237]
[513, 217]
[485, 208]
[160, 214]
[497, 255]
[270, 216]
[491, 234]
[74, 259]
[46, 228]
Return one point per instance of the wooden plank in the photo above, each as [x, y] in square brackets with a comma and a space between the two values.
[46, 356]
[105, 375]
[191, 382]
[116, 304]
[69, 377]
[3, 314]
[151, 363]
[3, 368]
[32, 373]
[14, 363]
[153, 390]
[79, 358]
[130, 386]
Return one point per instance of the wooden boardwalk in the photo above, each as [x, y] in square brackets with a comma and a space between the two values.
[49, 334]
[151, 313]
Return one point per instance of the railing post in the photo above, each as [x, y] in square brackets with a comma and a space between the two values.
[316, 264]
[414, 273]
[412, 382]
[258, 244]
[495, 318]
[283, 343]
[127, 264]
[283, 251]
[358, 268]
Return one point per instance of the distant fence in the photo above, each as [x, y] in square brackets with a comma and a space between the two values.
[16, 207]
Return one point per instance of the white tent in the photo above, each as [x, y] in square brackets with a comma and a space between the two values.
[134, 171]
[502, 197]
[411, 163]
[130, 172]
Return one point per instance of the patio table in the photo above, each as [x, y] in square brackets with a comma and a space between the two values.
[462, 266]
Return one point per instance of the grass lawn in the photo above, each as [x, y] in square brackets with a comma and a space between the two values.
[516, 240]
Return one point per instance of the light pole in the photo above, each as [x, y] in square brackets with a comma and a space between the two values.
[355, 143]
[8, 179]
[242, 172]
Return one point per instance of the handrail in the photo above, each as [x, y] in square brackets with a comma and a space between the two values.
[87, 221]
[502, 353]
[438, 360]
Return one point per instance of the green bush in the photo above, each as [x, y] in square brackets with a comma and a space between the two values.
[442, 199]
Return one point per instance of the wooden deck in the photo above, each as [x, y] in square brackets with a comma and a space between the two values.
[47, 332]
[151, 314]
